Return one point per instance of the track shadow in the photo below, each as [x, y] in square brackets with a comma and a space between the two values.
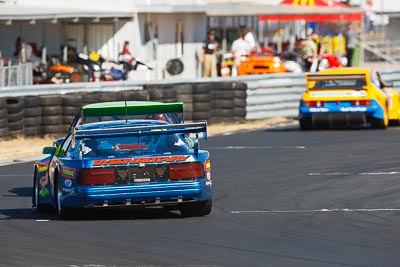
[124, 213]
[296, 128]
[25, 214]
[89, 214]
[291, 128]
[20, 192]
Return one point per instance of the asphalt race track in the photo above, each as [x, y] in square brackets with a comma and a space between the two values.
[281, 198]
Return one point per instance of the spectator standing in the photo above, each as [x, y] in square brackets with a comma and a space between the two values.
[310, 52]
[208, 56]
[351, 41]
[240, 48]
[369, 17]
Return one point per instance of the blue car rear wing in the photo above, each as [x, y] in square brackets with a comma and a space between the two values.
[137, 131]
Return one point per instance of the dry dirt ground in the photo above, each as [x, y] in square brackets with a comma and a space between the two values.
[30, 147]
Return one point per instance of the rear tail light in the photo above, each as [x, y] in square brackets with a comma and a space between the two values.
[103, 176]
[361, 103]
[315, 103]
[186, 171]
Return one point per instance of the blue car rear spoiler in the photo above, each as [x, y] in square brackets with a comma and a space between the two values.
[137, 131]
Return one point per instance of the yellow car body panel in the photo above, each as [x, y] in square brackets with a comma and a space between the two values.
[347, 95]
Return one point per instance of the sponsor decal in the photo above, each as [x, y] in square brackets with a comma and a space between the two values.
[85, 149]
[68, 183]
[336, 94]
[141, 180]
[130, 146]
[68, 172]
[43, 168]
[353, 109]
[303, 2]
[190, 142]
[126, 161]
[44, 181]
[319, 110]
[208, 179]
[67, 190]
[179, 143]
[60, 163]
[44, 192]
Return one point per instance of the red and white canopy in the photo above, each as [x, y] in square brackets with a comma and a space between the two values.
[315, 10]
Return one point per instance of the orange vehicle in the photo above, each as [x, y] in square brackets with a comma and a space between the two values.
[261, 64]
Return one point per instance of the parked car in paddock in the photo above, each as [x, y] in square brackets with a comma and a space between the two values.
[261, 64]
[344, 97]
[330, 61]
[126, 163]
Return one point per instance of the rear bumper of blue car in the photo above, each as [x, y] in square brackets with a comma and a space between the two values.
[138, 195]
[341, 110]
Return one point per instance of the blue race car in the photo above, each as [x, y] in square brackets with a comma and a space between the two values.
[126, 163]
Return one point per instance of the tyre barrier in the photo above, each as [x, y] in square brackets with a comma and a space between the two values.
[184, 93]
[52, 117]
[4, 132]
[202, 101]
[15, 116]
[71, 105]
[52, 114]
[32, 116]
[90, 97]
[222, 103]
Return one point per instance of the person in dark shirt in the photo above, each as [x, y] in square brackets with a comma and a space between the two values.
[208, 56]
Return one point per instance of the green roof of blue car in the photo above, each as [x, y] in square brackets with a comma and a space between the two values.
[130, 108]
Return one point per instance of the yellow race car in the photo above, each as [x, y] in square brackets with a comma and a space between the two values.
[345, 97]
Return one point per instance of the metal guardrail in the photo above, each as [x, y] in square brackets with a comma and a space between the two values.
[279, 96]
[267, 95]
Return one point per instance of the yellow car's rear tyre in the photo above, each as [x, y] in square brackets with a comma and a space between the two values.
[378, 123]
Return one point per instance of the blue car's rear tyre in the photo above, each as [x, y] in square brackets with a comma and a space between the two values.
[64, 212]
[196, 209]
[36, 191]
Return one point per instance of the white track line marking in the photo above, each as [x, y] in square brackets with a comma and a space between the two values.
[349, 173]
[311, 211]
[43, 220]
[259, 147]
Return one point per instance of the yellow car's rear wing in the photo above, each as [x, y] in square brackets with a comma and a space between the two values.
[322, 77]
[336, 81]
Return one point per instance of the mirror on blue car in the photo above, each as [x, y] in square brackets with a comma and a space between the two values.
[49, 150]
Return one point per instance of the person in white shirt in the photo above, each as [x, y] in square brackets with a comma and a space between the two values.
[369, 16]
[240, 48]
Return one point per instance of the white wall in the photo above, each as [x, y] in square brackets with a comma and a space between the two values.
[194, 32]
[105, 4]
[383, 5]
